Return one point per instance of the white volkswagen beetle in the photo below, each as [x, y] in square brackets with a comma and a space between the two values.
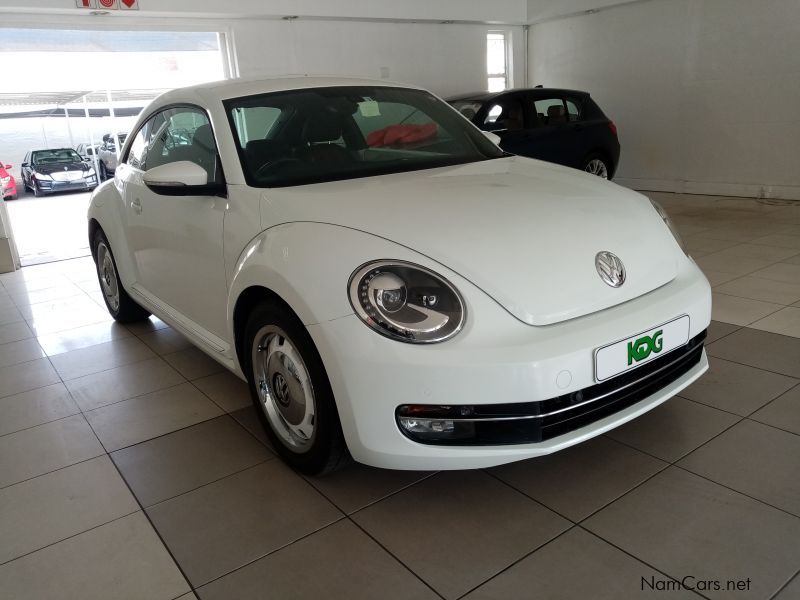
[391, 284]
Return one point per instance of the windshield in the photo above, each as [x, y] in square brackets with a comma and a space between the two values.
[49, 157]
[325, 134]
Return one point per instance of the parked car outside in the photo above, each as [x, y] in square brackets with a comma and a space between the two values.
[107, 154]
[390, 282]
[87, 151]
[9, 183]
[566, 127]
[56, 170]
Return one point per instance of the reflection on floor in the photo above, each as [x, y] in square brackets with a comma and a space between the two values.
[49, 228]
[131, 466]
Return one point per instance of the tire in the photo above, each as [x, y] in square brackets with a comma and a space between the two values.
[119, 304]
[36, 192]
[291, 392]
[597, 164]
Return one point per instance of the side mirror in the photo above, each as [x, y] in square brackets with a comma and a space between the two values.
[181, 178]
[492, 137]
[24, 165]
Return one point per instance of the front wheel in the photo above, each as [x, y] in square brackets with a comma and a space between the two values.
[597, 165]
[120, 305]
[291, 392]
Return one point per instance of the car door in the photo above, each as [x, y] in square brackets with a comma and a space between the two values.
[550, 135]
[177, 241]
[505, 117]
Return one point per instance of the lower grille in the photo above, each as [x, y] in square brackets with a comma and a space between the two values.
[528, 422]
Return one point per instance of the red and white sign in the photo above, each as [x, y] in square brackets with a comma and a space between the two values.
[129, 4]
[86, 3]
[107, 4]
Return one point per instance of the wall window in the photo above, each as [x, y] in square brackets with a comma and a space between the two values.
[497, 61]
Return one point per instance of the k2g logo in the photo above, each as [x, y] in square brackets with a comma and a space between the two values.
[644, 346]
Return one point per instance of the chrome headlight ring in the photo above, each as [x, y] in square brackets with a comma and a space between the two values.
[406, 302]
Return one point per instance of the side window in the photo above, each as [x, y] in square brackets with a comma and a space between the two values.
[507, 114]
[573, 111]
[180, 134]
[551, 111]
[255, 123]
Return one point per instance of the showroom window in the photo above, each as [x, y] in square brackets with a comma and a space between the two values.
[497, 61]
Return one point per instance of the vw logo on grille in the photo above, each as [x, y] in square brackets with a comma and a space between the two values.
[610, 268]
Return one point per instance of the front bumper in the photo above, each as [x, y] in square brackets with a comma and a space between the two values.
[48, 187]
[495, 360]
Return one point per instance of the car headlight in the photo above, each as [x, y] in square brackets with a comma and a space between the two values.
[668, 222]
[5, 179]
[42, 176]
[89, 173]
[406, 302]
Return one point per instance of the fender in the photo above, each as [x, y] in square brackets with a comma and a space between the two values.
[286, 260]
[106, 207]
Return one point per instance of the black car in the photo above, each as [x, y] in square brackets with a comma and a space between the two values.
[561, 126]
[59, 170]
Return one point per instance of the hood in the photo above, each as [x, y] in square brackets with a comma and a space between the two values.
[49, 169]
[524, 231]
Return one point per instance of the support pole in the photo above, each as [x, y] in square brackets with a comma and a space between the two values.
[69, 128]
[91, 139]
[113, 123]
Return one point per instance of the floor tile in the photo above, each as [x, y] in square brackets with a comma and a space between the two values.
[58, 292]
[45, 448]
[347, 564]
[226, 389]
[791, 591]
[758, 288]
[705, 244]
[14, 332]
[248, 418]
[683, 524]
[457, 529]
[674, 428]
[53, 507]
[234, 521]
[121, 383]
[35, 407]
[718, 277]
[740, 311]
[784, 322]
[582, 479]
[82, 337]
[123, 560]
[576, 564]
[147, 326]
[737, 459]
[26, 376]
[783, 412]
[758, 251]
[165, 341]
[783, 241]
[718, 329]
[768, 351]
[60, 315]
[357, 485]
[93, 359]
[14, 353]
[737, 388]
[193, 363]
[187, 459]
[10, 314]
[735, 265]
[144, 417]
[785, 272]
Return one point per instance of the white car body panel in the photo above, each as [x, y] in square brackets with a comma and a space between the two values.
[516, 237]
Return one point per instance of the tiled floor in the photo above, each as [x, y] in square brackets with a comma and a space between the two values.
[133, 467]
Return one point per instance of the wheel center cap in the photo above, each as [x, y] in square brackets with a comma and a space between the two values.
[280, 387]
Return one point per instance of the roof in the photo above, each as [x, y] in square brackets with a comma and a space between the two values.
[235, 88]
[487, 96]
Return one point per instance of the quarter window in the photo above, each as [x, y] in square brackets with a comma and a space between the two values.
[551, 111]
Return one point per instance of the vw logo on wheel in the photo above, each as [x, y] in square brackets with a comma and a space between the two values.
[610, 268]
[281, 389]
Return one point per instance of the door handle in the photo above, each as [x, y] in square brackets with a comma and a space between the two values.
[136, 205]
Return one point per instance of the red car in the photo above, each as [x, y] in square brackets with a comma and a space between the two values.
[7, 183]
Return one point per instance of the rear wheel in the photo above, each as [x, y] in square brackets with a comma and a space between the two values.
[291, 392]
[597, 164]
[120, 305]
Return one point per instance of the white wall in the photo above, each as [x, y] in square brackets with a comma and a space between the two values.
[447, 59]
[705, 92]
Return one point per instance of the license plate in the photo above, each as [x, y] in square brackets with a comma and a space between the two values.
[636, 350]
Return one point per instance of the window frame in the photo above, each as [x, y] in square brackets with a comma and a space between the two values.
[506, 73]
